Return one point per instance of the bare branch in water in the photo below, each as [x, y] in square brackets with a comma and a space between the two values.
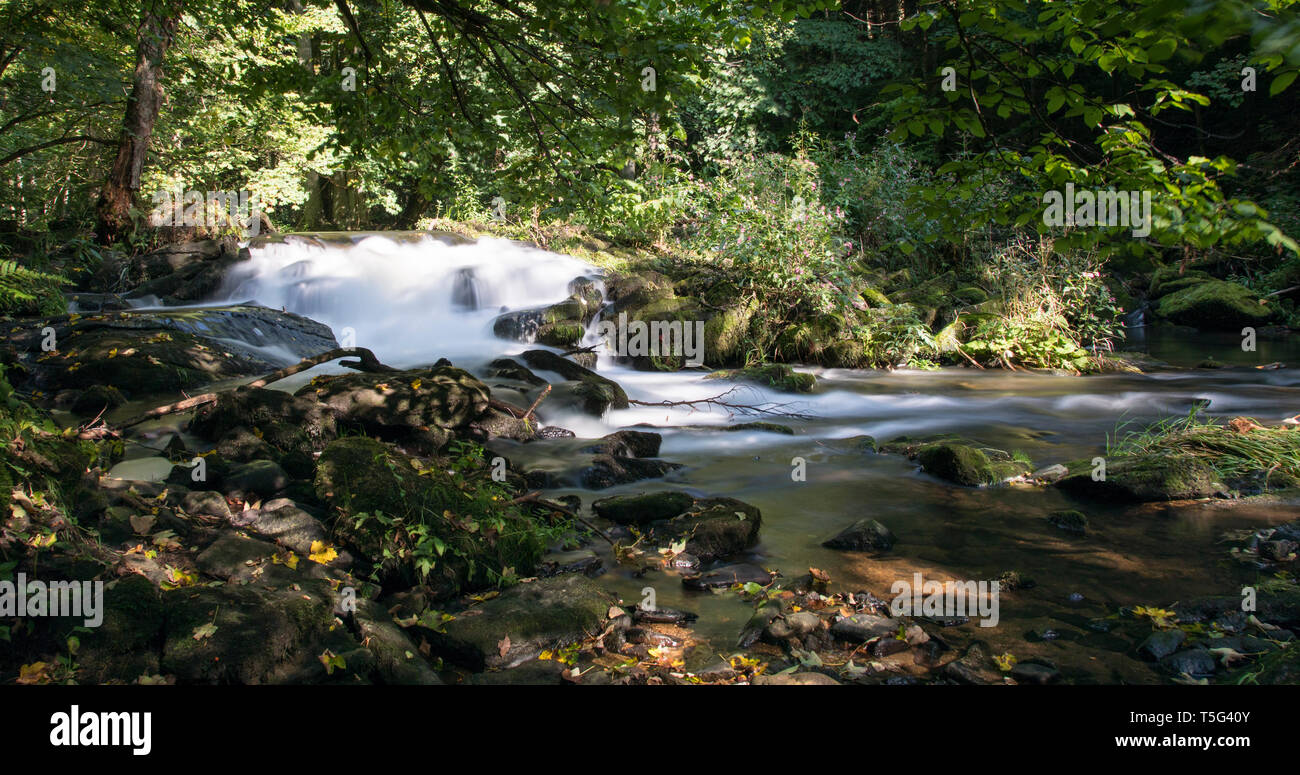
[765, 409]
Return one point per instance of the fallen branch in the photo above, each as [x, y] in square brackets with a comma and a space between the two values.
[367, 363]
[767, 409]
[533, 408]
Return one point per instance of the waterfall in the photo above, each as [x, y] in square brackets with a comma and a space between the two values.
[411, 298]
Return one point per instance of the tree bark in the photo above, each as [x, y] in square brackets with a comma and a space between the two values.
[155, 34]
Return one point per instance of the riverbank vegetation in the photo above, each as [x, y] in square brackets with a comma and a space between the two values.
[876, 175]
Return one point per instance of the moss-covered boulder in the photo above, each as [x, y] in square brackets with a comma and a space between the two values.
[424, 407]
[1214, 305]
[774, 375]
[643, 508]
[1143, 479]
[240, 418]
[522, 622]
[715, 528]
[595, 394]
[1069, 520]
[967, 465]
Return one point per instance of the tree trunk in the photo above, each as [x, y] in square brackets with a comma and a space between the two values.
[157, 28]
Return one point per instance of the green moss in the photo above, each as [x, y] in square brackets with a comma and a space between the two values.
[643, 508]
[775, 375]
[956, 463]
[1214, 305]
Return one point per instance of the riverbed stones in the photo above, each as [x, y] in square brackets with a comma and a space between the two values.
[522, 622]
[627, 443]
[865, 535]
[284, 422]
[1161, 644]
[728, 575]
[863, 627]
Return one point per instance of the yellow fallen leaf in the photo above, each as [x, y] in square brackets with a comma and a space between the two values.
[322, 552]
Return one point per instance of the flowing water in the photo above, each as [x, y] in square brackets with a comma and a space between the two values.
[414, 299]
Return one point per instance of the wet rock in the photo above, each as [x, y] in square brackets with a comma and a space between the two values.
[259, 633]
[642, 508]
[260, 477]
[1197, 663]
[796, 679]
[1074, 522]
[506, 368]
[207, 502]
[864, 627]
[582, 561]
[1161, 644]
[284, 521]
[1162, 478]
[859, 444]
[522, 622]
[283, 422]
[865, 535]
[775, 376]
[974, 667]
[607, 471]
[552, 432]
[661, 615]
[180, 273]
[1035, 673]
[627, 444]
[1051, 473]
[397, 657]
[97, 399]
[596, 394]
[715, 528]
[425, 406]
[728, 575]
[966, 465]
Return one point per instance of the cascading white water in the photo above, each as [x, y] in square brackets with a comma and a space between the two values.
[411, 301]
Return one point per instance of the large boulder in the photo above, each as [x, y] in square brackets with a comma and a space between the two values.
[595, 393]
[1215, 305]
[968, 465]
[522, 622]
[286, 423]
[1143, 479]
[425, 405]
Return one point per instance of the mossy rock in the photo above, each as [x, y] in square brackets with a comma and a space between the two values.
[1214, 305]
[283, 422]
[1168, 279]
[715, 528]
[968, 465]
[1070, 521]
[642, 508]
[597, 394]
[1144, 479]
[522, 622]
[774, 375]
[875, 298]
[566, 333]
[425, 405]
[727, 335]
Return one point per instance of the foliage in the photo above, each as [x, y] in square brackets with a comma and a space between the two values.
[25, 291]
[1235, 450]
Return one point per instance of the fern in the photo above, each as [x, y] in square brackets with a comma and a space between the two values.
[26, 291]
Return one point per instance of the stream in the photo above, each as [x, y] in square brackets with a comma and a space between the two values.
[413, 299]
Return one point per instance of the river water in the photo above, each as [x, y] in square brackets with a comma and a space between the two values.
[405, 297]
